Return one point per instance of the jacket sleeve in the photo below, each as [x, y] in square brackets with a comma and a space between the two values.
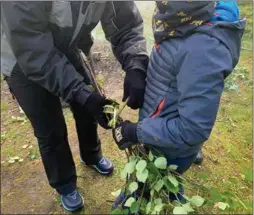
[26, 27]
[123, 27]
[200, 83]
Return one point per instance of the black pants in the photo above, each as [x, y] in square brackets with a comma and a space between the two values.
[45, 114]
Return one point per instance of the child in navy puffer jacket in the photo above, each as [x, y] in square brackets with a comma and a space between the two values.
[197, 46]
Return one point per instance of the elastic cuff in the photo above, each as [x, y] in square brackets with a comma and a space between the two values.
[139, 62]
[83, 94]
[139, 132]
[130, 132]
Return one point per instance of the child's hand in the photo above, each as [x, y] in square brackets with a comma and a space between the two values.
[125, 134]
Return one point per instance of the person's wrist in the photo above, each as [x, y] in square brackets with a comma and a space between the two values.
[94, 102]
[82, 95]
[129, 132]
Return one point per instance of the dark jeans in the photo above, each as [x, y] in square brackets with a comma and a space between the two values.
[45, 114]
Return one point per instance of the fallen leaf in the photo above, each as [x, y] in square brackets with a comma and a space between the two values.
[221, 205]
[16, 158]
[11, 161]
[25, 146]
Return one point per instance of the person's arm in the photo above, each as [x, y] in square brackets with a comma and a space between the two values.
[200, 82]
[27, 30]
[123, 27]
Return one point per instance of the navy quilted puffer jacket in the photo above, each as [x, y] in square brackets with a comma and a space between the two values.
[185, 80]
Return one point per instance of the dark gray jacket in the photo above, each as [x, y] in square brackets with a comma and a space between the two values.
[44, 37]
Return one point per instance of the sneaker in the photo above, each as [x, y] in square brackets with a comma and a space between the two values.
[104, 166]
[73, 201]
[199, 159]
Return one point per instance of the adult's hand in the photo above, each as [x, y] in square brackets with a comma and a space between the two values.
[94, 104]
[134, 88]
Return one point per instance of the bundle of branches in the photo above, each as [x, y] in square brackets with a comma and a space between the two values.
[150, 182]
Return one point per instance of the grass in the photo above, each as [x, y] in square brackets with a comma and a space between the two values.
[225, 175]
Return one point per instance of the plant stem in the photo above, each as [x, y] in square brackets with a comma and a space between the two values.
[143, 190]
[121, 108]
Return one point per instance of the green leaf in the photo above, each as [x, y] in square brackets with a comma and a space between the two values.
[142, 176]
[129, 202]
[152, 168]
[133, 159]
[161, 163]
[197, 201]
[150, 156]
[134, 207]
[152, 192]
[116, 193]
[170, 187]
[129, 168]
[179, 210]
[159, 207]
[120, 211]
[148, 207]
[141, 165]
[159, 184]
[133, 187]
[188, 207]
[221, 205]
[158, 201]
[125, 212]
[186, 197]
[123, 174]
[116, 211]
[143, 203]
[173, 180]
[172, 167]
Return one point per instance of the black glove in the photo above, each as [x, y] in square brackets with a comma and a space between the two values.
[94, 105]
[134, 88]
[125, 134]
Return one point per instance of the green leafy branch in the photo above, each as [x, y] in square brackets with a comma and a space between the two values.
[148, 175]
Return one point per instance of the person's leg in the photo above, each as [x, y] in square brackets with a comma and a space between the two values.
[45, 114]
[183, 164]
[199, 158]
[89, 142]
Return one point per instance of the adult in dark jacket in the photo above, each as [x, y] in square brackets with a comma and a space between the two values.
[197, 46]
[44, 64]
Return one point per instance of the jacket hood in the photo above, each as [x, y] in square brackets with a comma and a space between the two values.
[228, 33]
